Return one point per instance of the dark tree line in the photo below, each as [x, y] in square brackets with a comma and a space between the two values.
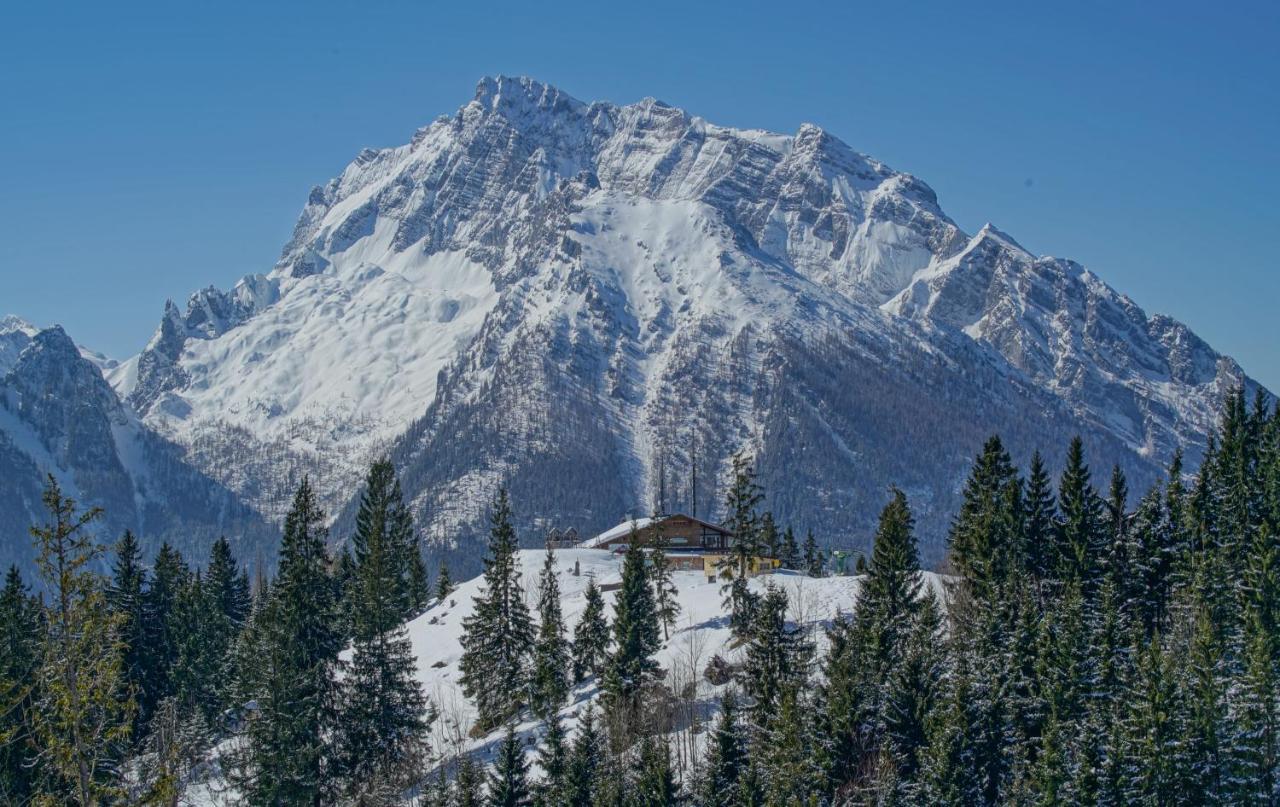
[1085, 645]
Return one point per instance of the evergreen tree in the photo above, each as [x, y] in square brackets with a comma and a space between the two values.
[864, 652]
[169, 576]
[508, 785]
[550, 679]
[384, 535]
[591, 636]
[1201, 686]
[913, 693]
[789, 554]
[726, 758]
[1154, 749]
[742, 520]
[1080, 531]
[229, 602]
[202, 639]
[125, 597]
[468, 784]
[444, 585]
[1038, 523]
[20, 642]
[553, 759]
[986, 536]
[584, 762]
[770, 538]
[789, 770]
[655, 784]
[292, 677]
[419, 584]
[383, 716]
[777, 657]
[635, 629]
[81, 723]
[498, 636]
[664, 589]
[814, 561]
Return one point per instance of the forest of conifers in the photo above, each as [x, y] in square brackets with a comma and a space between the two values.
[1094, 646]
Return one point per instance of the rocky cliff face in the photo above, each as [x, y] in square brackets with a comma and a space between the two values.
[59, 416]
[588, 303]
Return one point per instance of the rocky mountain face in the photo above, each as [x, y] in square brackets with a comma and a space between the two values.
[595, 305]
[59, 416]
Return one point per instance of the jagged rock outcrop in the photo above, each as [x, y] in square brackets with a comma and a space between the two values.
[59, 416]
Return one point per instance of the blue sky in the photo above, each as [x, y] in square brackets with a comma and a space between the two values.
[153, 148]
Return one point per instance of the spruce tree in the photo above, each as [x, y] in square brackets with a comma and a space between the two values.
[788, 764]
[635, 628]
[20, 642]
[1153, 769]
[777, 658]
[790, 551]
[227, 583]
[169, 576]
[584, 762]
[468, 784]
[202, 640]
[591, 638]
[986, 538]
[508, 785]
[553, 760]
[664, 589]
[872, 645]
[813, 557]
[726, 757]
[498, 635]
[444, 585]
[913, 693]
[1038, 522]
[549, 685]
[81, 723]
[292, 679]
[1081, 529]
[383, 715]
[1201, 680]
[384, 528]
[125, 597]
[654, 784]
[742, 520]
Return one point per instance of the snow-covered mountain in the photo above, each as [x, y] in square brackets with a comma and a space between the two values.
[59, 416]
[575, 299]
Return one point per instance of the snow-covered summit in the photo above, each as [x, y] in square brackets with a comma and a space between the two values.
[564, 297]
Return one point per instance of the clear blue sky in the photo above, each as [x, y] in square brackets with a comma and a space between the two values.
[152, 148]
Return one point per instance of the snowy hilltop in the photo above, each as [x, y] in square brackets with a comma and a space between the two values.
[700, 640]
[592, 303]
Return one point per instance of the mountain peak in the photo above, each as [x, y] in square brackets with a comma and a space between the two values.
[522, 94]
[55, 339]
[990, 232]
[12, 323]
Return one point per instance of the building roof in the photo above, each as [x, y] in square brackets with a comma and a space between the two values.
[625, 528]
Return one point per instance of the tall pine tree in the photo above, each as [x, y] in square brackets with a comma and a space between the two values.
[498, 635]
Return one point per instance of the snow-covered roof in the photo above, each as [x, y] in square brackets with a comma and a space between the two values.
[614, 533]
[625, 528]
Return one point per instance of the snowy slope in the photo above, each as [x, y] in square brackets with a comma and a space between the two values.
[702, 631]
[564, 297]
